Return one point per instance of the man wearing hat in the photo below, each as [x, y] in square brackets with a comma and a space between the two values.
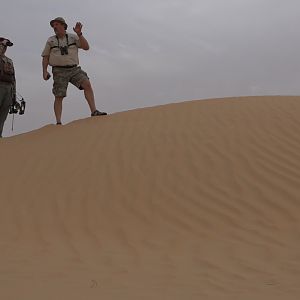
[7, 82]
[61, 53]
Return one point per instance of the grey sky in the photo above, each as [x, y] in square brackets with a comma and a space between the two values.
[150, 52]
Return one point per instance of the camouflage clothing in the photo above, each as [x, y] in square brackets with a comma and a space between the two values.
[7, 88]
[62, 77]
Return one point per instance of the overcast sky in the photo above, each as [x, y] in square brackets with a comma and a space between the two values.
[149, 52]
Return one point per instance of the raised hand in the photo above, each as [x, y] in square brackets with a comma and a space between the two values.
[78, 28]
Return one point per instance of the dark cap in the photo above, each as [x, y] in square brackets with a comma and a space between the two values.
[5, 42]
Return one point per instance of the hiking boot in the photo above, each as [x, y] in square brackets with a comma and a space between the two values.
[98, 113]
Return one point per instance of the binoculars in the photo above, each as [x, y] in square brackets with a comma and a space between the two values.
[17, 107]
[64, 50]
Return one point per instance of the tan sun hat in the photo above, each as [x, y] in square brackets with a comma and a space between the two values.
[60, 20]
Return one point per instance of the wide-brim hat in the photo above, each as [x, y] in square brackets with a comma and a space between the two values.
[60, 20]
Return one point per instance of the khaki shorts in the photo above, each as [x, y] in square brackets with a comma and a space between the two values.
[62, 77]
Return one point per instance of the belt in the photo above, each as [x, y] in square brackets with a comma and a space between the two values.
[6, 82]
[65, 67]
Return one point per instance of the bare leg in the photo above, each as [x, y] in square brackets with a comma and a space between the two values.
[58, 108]
[89, 94]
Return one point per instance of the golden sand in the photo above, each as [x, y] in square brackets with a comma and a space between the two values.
[194, 200]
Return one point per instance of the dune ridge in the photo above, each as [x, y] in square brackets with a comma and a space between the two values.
[191, 200]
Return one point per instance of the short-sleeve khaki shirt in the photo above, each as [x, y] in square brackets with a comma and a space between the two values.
[53, 51]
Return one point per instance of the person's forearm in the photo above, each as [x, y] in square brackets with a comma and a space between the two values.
[14, 88]
[84, 43]
[45, 63]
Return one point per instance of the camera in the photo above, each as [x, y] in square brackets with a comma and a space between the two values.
[64, 50]
[17, 107]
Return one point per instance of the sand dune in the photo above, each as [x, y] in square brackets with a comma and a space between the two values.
[194, 200]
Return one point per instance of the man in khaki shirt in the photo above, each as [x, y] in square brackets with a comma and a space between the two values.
[61, 53]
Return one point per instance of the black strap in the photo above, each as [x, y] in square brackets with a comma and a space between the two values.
[67, 42]
[65, 67]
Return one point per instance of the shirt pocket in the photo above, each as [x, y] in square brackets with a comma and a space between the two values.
[8, 68]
